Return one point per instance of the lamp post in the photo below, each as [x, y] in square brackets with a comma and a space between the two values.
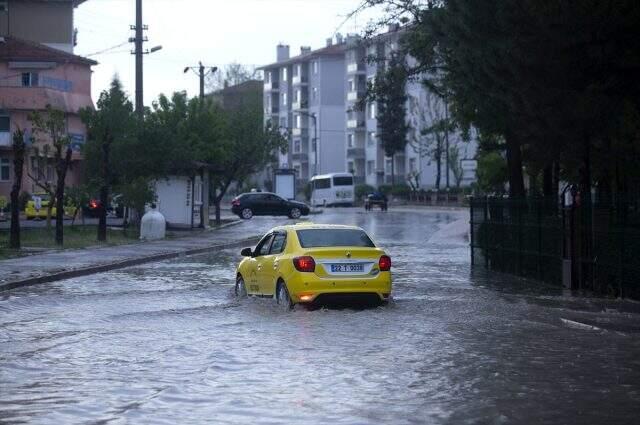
[202, 72]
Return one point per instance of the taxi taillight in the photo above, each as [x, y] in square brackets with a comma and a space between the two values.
[384, 263]
[305, 264]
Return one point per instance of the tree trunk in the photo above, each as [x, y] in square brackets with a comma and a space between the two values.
[49, 207]
[514, 164]
[393, 172]
[438, 162]
[104, 190]
[18, 164]
[63, 165]
[547, 182]
[216, 202]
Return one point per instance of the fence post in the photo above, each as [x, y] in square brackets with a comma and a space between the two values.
[540, 239]
[485, 233]
[471, 238]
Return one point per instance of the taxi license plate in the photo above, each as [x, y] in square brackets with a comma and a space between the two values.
[347, 268]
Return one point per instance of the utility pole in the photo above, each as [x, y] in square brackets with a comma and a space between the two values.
[138, 39]
[202, 72]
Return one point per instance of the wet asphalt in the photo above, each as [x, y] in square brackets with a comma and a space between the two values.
[168, 343]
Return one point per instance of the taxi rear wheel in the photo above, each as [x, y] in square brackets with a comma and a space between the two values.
[241, 289]
[282, 297]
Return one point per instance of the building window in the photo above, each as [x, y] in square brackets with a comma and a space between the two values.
[297, 147]
[412, 165]
[372, 111]
[284, 99]
[315, 67]
[314, 93]
[298, 171]
[267, 77]
[29, 79]
[284, 74]
[283, 122]
[5, 124]
[5, 170]
[4, 6]
[387, 166]
[371, 139]
[298, 121]
[296, 70]
[352, 85]
[370, 167]
[349, 140]
[350, 167]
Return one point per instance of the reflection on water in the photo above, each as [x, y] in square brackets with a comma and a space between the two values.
[167, 342]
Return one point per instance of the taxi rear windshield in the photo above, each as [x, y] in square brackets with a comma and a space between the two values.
[311, 238]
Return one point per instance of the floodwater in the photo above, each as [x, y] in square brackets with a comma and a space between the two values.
[168, 343]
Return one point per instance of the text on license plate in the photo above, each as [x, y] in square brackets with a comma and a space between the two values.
[347, 268]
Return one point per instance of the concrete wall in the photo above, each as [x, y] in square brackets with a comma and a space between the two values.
[49, 23]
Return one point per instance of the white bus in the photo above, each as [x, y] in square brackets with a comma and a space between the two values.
[332, 189]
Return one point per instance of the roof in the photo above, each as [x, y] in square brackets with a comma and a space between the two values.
[310, 225]
[334, 49]
[328, 176]
[17, 49]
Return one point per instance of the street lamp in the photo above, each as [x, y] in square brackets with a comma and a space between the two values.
[201, 73]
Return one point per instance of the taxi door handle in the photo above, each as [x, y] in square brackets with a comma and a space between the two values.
[275, 265]
[259, 267]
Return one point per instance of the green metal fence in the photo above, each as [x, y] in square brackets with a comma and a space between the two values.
[585, 248]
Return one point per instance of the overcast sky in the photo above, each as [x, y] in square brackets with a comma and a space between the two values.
[218, 32]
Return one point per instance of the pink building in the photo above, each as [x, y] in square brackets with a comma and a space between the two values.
[33, 76]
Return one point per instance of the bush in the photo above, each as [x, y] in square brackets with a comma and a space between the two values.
[362, 190]
[385, 189]
[401, 190]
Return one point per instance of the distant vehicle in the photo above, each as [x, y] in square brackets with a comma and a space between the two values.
[37, 206]
[309, 263]
[92, 208]
[247, 205]
[332, 190]
[373, 199]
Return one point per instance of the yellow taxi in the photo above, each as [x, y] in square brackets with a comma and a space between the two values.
[37, 208]
[309, 263]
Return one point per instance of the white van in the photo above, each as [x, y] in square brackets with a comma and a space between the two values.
[332, 189]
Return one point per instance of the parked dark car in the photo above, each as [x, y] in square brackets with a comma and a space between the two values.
[247, 205]
[374, 199]
[92, 208]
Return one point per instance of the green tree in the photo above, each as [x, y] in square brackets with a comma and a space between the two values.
[51, 127]
[390, 95]
[110, 127]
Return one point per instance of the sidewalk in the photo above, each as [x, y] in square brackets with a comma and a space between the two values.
[64, 264]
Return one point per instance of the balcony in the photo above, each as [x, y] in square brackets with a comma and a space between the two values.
[300, 132]
[41, 81]
[273, 86]
[356, 68]
[355, 124]
[359, 180]
[5, 138]
[354, 96]
[299, 80]
[300, 106]
[300, 156]
[355, 153]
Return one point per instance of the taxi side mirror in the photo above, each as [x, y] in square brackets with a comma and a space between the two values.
[246, 252]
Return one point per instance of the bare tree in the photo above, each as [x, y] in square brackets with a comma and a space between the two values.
[18, 161]
[430, 125]
[232, 75]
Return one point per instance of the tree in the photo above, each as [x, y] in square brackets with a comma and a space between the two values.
[454, 164]
[112, 123]
[19, 147]
[430, 126]
[252, 146]
[389, 92]
[52, 128]
[232, 75]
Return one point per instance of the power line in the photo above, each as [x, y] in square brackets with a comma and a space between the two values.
[106, 50]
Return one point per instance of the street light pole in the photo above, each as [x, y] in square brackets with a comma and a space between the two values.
[138, 53]
[201, 72]
[138, 39]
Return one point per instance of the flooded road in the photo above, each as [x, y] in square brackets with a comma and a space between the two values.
[168, 343]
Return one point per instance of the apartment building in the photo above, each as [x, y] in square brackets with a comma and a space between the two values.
[303, 95]
[324, 86]
[364, 155]
[49, 22]
[33, 76]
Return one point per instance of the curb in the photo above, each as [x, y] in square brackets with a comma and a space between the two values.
[85, 271]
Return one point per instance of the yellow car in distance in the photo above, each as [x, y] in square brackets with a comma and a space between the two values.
[312, 263]
[30, 210]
